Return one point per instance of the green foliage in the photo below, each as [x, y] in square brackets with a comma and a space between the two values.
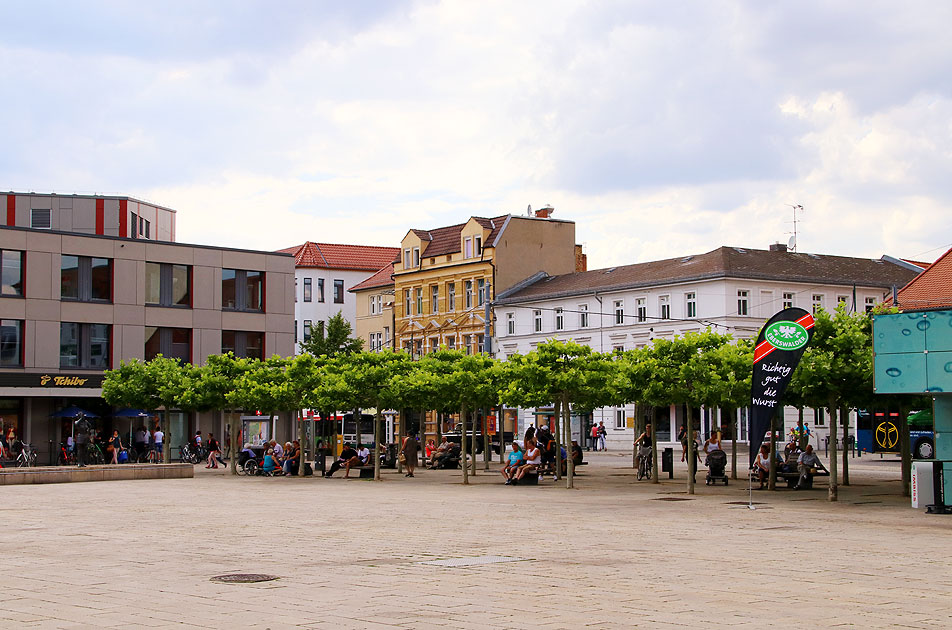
[333, 339]
[161, 382]
[559, 370]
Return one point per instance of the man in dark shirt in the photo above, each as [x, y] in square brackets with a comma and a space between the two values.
[347, 454]
[807, 464]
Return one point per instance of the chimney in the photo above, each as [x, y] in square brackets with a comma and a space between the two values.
[544, 212]
[778, 247]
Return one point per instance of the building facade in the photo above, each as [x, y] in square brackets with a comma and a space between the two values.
[324, 275]
[729, 290]
[374, 321]
[74, 304]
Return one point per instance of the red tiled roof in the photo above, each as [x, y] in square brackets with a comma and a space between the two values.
[930, 289]
[380, 279]
[335, 256]
[724, 262]
[446, 240]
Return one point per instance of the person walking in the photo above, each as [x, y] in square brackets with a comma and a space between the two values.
[411, 451]
[213, 451]
[602, 435]
[159, 437]
[594, 437]
[115, 446]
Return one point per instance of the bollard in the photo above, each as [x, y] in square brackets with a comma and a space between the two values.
[667, 462]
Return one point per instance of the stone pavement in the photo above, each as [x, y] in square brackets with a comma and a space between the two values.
[613, 553]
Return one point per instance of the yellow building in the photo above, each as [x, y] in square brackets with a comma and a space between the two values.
[446, 275]
[374, 320]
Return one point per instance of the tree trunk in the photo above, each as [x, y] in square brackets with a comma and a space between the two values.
[403, 423]
[232, 450]
[904, 452]
[473, 423]
[377, 435]
[302, 442]
[569, 461]
[772, 480]
[634, 445]
[486, 452]
[654, 450]
[463, 446]
[557, 410]
[733, 417]
[692, 450]
[844, 420]
[834, 491]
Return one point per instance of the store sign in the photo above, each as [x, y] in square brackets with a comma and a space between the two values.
[48, 381]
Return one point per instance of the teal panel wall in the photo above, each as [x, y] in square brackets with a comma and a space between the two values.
[939, 371]
[900, 332]
[942, 412]
[899, 373]
[912, 352]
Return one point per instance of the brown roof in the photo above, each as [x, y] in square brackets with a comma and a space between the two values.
[334, 256]
[930, 289]
[446, 240]
[724, 262]
[382, 278]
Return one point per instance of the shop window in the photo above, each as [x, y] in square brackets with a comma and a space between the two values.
[243, 343]
[11, 273]
[85, 279]
[242, 290]
[85, 345]
[167, 284]
[174, 343]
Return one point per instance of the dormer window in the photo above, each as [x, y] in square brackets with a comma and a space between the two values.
[406, 259]
[467, 247]
[479, 245]
[416, 256]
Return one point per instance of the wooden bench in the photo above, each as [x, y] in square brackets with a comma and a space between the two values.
[792, 478]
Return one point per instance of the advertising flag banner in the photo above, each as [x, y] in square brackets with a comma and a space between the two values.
[779, 348]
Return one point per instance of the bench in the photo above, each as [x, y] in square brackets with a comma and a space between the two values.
[793, 477]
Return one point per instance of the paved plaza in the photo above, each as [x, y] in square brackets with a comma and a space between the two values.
[613, 553]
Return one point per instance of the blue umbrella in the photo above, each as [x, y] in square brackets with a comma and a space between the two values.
[130, 413]
[72, 412]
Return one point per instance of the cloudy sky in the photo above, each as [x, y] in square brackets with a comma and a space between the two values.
[661, 128]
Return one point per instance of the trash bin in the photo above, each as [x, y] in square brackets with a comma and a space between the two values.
[319, 460]
[667, 462]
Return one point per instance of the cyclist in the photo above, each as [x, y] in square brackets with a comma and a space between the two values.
[643, 443]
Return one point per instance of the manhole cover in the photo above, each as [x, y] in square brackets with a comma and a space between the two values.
[744, 503]
[244, 578]
[672, 499]
[470, 562]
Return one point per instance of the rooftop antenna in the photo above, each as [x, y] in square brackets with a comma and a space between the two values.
[792, 244]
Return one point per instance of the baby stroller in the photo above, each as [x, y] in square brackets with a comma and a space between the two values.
[716, 465]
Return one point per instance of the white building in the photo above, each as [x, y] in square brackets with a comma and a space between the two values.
[323, 275]
[730, 289]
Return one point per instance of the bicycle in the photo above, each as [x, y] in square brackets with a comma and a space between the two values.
[94, 455]
[27, 456]
[644, 466]
[66, 457]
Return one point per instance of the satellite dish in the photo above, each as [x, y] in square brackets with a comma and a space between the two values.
[792, 243]
[529, 210]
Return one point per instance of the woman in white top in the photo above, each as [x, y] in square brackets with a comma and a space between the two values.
[762, 464]
[533, 459]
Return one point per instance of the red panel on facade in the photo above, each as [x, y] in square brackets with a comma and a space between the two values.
[123, 218]
[100, 216]
[11, 210]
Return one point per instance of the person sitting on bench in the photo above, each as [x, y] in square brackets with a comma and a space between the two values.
[533, 461]
[513, 462]
[440, 450]
[347, 454]
[270, 465]
[762, 465]
[807, 464]
[361, 458]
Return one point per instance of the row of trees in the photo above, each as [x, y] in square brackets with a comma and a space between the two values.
[703, 369]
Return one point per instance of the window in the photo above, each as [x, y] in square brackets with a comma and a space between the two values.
[407, 303]
[376, 342]
[641, 306]
[480, 292]
[664, 306]
[295, 289]
[842, 299]
[583, 315]
[690, 304]
[467, 248]
[480, 343]
[537, 320]
[819, 419]
[135, 223]
[451, 343]
[320, 290]
[406, 259]
[174, 343]
[373, 304]
[416, 256]
[295, 332]
[620, 419]
[386, 334]
[307, 289]
[143, 227]
[41, 219]
[307, 330]
[559, 319]
[11, 343]
[85, 279]
[419, 301]
[468, 344]
[870, 303]
[451, 296]
[742, 301]
[479, 245]
[510, 323]
[788, 300]
[242, 290]
[243, 343]
[84, 345]
[11, 272]
[619, 312]
[468, 291]
[817, 302]
[338, 291]
[168, 285]
[434, 298]
[434, 344]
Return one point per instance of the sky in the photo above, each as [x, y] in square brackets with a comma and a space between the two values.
[661, 128]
